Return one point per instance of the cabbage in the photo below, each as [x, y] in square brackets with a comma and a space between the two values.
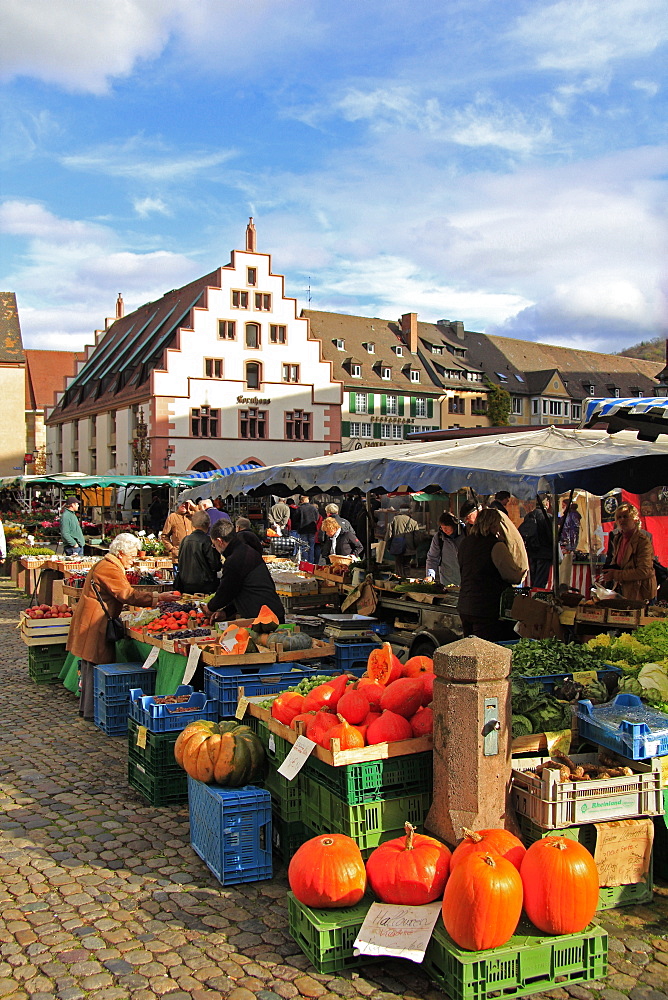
[653, 676]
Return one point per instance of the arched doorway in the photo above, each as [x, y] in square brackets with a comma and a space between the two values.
[203, 466]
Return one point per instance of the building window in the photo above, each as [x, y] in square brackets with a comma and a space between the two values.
[277, 334]
[386, 373]
[415, 375]
[478, 405]
[356, 371]
[565, 409]
[516, 405]
[227, 329]
[555, 408]
[93, 459]
[239, 300]
[360, 402]
[592, 390]
[204, 422]
[397, 430]
[253, 375]
[297, 425]
[75, 431]
[340, 345]
[535, 406]
[391, 406]
[291, 373]
[371, 348]
[355, 428]
[420, 407]
[253, 423]
[252, 335]
[576, 411]
[366, 431]
[251, 276]
[263, 301]
[385, 430]
[436, 350]
[501, 377]
[213, 367]
[616, 393]
[398, 350]
[112, 457]
[456, 404]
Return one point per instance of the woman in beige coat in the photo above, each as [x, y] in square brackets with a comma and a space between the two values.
[87, 637]
[632, 567]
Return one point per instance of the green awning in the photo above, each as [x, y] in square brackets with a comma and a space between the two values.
[78, 479]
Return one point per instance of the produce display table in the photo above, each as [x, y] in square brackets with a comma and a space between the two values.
[170, 666]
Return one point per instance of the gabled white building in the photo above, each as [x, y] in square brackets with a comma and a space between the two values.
[221, 372]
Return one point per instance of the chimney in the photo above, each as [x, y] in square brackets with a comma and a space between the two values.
[458, 329]
[120, 307]
[409, 331]
[250, 236]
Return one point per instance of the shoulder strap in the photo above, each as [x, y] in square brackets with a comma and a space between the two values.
[99, 597]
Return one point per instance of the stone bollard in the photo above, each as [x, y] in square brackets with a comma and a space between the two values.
[472, 739]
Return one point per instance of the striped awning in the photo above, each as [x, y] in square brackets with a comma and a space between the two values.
[218, 473]
[647, 415]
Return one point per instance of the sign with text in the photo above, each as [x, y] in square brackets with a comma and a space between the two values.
[400, 931]
[623, 851]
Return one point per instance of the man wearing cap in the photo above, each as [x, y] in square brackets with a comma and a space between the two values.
[70, 529]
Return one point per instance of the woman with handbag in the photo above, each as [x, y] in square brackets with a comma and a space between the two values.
[95, 627]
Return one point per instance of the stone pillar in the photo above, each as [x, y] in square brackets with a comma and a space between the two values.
[471, 784]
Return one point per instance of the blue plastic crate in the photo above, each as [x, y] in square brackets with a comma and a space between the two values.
[550, 681]
[353, 655]
[223, 688]
[113, 681]
[164, 718]
[112, 719]
[230, 829]
[626, 726]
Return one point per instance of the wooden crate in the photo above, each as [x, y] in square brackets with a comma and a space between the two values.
[338, 758]
[590, 613]
[626, 617]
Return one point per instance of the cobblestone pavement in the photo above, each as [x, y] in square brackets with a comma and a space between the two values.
[101, 895]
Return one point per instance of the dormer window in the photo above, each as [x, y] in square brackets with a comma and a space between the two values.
[340, 345]
[436, 350]
[398, 350]
[356, 371]
[370, 348]
[386, 373]
[501, 376]
[592, 390]
[415, 375]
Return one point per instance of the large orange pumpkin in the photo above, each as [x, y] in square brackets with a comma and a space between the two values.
[495, 841]
[382, 665]
[286, 706]
[349, 737]
[403, 696]
[220, 753]
[418, 665]
[560, 885]
[482, 902]
[410, 870]
[328, 872]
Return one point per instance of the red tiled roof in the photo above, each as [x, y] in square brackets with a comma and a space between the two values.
[46, 372]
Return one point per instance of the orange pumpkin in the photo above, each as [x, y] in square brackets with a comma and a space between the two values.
[418, 665]
[389, 728]
[560, 885]
[499, 841]
[242, 639]
[428, 685]
[410, 870]
[286, 706]
[328, 872]
[382, 665]
[372, 691]
[348, 736]
[353, 706]
[422, 723]
[482, 902]
[403, 696]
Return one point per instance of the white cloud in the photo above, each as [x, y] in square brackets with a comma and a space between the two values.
[147, 160]
[21, 218]
[649, 87]
[150, 206]
[587, 34]
[80, 45]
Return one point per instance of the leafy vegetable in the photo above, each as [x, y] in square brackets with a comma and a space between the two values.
[536, 657]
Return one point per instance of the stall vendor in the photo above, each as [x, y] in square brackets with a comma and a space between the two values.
[631, 570]
[177, 526]
[246, 583]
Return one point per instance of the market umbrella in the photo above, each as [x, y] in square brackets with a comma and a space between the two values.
[647, 416]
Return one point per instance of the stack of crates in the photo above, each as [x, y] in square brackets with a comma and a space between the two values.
[222, 684]
[230, 830]
[152, 769]
[46, 662]
[111, 684]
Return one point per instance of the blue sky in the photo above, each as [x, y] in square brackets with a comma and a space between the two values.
[501, 163]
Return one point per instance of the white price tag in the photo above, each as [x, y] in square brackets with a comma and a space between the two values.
[272, 744]
[191, 666]
[297, 757]
[242, 705]
[151, 658]
[402, 931]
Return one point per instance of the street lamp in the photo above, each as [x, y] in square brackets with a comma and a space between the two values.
[141, 446]
[169, 451]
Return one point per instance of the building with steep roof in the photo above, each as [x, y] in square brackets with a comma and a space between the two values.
[217, 373]
[46, 373]
[12, 387]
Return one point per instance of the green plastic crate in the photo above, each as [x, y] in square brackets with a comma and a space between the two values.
[159, 790]
[327, 936]
[286, 796]
[158, 753]
[530, 962]
[46, 662]
[661, 840]
[609, 896]
[369, 823]
[286, 838]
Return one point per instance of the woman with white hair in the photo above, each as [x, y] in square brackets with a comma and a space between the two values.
[105, 591]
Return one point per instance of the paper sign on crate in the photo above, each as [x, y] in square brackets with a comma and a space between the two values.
[400, 931]
[294, 762]
[623, 851]
[194, 654]
[151, 658]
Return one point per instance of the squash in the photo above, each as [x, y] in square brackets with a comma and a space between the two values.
[326, 695]
[382, 665]
[482, 902]
[221, 753]
[286, 706]
[353, 706]
[418, 665]
[496, 841]
[348, 736]
[318, 729]
[372, 691]
[560, 880]
[328, 872]
[388, 729]
[290, 640]
[422, 723]
[403, 696]
[428, 685]
[410, 870]
[242, 637]
[266, 620]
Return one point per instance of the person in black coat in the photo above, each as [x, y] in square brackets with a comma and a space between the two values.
[246, 583]
[199, 563]
[244, 529]
[339, 541]
[536, 530]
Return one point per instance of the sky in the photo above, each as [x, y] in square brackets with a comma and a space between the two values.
[499, 162]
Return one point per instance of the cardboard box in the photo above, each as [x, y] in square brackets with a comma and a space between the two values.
[537, 619]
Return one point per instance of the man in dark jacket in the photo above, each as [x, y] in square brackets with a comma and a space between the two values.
[246, 583]
[199, 563]
[308, 516]
[536, 530]
[244, 529]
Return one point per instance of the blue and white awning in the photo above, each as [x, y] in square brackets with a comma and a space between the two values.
[218, 473]
[647, 415]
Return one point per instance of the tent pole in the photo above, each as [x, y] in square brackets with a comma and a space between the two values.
[369, 526]
[555, 544]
